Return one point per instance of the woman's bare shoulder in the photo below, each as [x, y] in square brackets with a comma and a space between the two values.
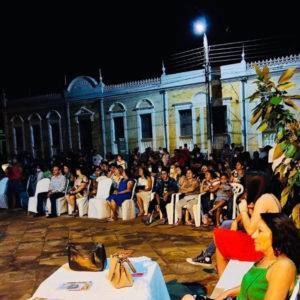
[283, 265]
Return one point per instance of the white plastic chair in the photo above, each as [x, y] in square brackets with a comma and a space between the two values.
[82, 203]
[127, 211]
[232, 276]
[171, 209]
[3, 193]
[97, 206]
[41, 187]
[147, 201]
[237, 190]
[296, 290]
[61, 203]
[197, 211]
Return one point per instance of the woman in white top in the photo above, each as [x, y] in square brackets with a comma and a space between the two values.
[144, 187]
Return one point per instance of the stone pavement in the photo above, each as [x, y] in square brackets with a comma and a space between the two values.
[33, 248]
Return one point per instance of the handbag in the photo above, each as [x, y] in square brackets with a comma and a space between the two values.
[119, 274]
[92, 260]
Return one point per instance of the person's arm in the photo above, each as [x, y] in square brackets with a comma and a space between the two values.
[250, 224]
[215, 187]
[204, 187]
[149, 180]
[280, 278]
[193, 189]
[235, 223]
[82, 186]
[128, 189]
[229, 293]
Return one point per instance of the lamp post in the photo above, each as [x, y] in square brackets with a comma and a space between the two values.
[199, 29]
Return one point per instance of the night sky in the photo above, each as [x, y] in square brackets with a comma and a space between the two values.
[126, 39]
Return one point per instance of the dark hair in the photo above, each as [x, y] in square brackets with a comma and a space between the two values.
[127, 172]
[256, 185]
[145, 171]
[241, 162]
[224, 174]
[285, 236]
[189, 169]
[67, 165]
[56, 166]
[165, 169]
[212, 173]
[120, 168]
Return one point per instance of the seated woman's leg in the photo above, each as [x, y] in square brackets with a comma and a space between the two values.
[179, 206]
[108, 205]
[221, 262]
[140, 204]
[217, 208]
[114, 208]
[71, 199]
[190, 206]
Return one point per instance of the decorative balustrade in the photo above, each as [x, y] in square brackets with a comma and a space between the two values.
[285, 60]
[133, 84]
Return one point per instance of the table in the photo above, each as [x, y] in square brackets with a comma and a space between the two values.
[151, 286]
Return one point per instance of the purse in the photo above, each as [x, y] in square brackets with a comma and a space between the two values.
[92, 260]
[119, 274]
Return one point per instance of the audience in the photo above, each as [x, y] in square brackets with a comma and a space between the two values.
[163, 189]
[223, 196]
[143, 191]
[234, 244]
[189, 189]
[77, 191]
[191, 173]
[124, 192]
[56, 190]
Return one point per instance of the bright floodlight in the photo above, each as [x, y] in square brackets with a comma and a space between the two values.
[199, 27]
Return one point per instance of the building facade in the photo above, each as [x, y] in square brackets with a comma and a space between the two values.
[167, 111]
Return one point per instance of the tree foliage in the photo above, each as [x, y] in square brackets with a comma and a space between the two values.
[275, 112]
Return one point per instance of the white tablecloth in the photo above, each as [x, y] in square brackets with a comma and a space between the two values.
[151, 286]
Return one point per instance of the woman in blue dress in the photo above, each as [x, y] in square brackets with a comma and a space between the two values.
[123, 193]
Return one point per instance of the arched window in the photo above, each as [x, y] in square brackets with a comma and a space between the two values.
[17, 123]
[84, 118]
[118, 128]
[36, 135]
[55, 132]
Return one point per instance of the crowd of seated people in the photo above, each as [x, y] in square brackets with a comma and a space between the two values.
[157, 173]
[152, 178]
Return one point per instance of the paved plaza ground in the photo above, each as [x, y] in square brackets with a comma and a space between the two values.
[33, 248]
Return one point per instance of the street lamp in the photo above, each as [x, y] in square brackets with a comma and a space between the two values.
[199, 27]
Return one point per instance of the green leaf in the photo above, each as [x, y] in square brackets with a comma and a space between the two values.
[276, 100]
[284, 145]
[280, 133]
[290, 151]
[262, 127]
